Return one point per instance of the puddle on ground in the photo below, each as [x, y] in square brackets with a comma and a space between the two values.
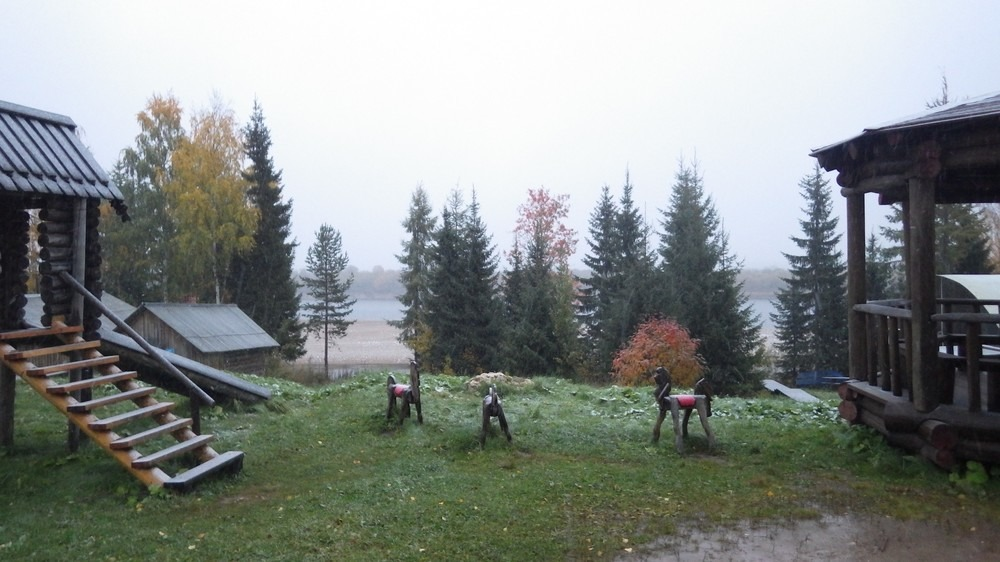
[833, 538]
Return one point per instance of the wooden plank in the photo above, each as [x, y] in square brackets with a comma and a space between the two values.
[796, 394]
[64, 367]
[122, 419]
[230, 461]
[43, 351]
[7, 392]
[130, 441]
[91, 382]
[90, 405]
[39, 332]
[149, 461]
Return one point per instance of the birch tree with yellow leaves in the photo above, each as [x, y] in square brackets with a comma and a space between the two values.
[207, 199]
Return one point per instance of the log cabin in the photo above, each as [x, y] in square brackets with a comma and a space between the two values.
[48, 177]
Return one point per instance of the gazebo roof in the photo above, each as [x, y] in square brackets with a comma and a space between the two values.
[958, 143]
[40, 154]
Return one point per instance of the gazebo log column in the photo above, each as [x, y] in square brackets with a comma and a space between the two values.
[924, 356]
[856, 286]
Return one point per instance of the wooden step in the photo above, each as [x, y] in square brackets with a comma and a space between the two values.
[230, 461]
[130, 441]
[39, 332]
[149, 461]
[91, 382]
[30, 353]
[90, 405]
[71, 365]
[122, 419]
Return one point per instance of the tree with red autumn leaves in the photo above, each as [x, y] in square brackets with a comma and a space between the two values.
[546, 214]
[658, 342]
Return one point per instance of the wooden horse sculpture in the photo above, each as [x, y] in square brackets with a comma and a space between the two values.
[406, 393]
[492, 408]
[701, 401]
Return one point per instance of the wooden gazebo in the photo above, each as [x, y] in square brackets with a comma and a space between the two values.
[45, 169]
[923, 375]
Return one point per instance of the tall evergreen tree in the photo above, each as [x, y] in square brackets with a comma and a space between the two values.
[702, 290]
[482, 326]
[541, 227]
[463, 306]
[633, 287]
[878, 271]
[415, 274]
[262, 281]
[619, 293]
[961, 239]
[533, 344]
[597, 291]
[811, 309]
[330, 306]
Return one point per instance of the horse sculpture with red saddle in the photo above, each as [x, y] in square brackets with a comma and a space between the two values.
[700, 401]
[406, 393]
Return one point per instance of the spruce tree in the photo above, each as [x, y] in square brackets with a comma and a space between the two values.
[634, 292]
[811, 309]
[330, 306]
[619, 294]
[701, 289]
[482, 312]
[596, 293]
[415, 273]
[878, 271]
[961, 239]
[446, 303]
[533, 344]
[261, 282]
[462, 309]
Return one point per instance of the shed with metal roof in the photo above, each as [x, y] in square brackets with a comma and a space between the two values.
[219, 335]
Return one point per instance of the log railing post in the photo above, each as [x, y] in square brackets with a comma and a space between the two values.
[7, 389]
[882, 346]
[973, 351]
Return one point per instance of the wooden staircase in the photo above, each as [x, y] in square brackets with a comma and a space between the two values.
[127, 403]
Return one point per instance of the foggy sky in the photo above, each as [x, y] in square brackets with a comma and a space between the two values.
[366, 100]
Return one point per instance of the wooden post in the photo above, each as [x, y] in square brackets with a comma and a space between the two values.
[973, 351]
[856, 290]
[895, 361]
[921, 251]
[7, 389]
[79, 255]
[882, 345]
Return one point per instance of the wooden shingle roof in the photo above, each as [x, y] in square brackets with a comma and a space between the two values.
[41, 154]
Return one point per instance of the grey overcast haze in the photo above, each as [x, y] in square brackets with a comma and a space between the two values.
[367, 100]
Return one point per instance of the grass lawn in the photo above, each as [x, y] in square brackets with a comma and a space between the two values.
[327, 478]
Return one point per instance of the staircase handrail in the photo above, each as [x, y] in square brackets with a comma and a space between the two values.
[153, 352]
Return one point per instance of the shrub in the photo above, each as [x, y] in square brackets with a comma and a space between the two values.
[658, 342]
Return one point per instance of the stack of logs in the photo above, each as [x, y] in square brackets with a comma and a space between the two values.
[945, 435]
[14, 227]
[57, 238]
